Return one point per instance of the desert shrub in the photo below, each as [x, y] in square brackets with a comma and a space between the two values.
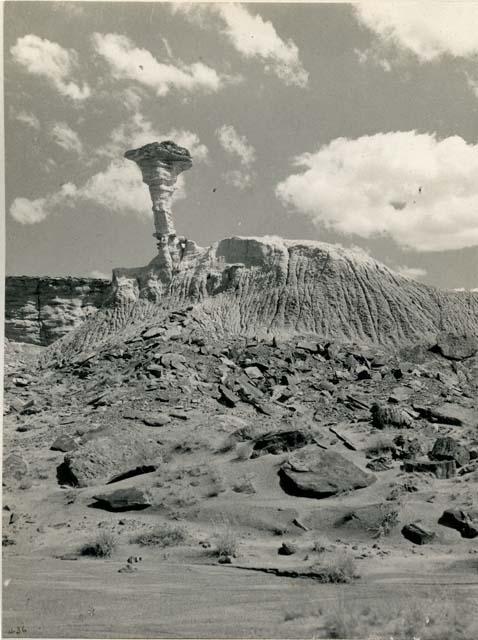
[321, 544]
[162, 536]
[385, 525]
[339, 568]
[428, 618]
[379, 445]
[102, 547]
[244, 484]
[217, 483]
[226, 539]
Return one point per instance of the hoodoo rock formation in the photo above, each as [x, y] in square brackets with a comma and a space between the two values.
[266, 286]
[161, 164]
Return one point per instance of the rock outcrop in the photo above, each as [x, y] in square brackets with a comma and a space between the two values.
[41, 310]
[269, 286]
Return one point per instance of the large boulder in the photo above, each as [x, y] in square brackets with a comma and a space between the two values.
[442, 469]
[417, 534]
[447, 448]
[123, 500]
[109, 456]
[461, 521]
[315, 473]
[457, 347]
[449, 413]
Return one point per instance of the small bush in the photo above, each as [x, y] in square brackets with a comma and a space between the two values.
[379, 445]
[226, 540]
[244, 484]
[162, 536]
[102, 547]
[340, 568]
[386, 525]
[321, 544]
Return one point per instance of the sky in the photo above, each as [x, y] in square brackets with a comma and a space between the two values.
[345, 123]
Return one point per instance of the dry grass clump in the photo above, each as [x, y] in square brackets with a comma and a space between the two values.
[338, 568]
[227, 542]
[163, 535]
[386, 525]
[427, 619]
[379, 445]
[102, 547]
[321, 544]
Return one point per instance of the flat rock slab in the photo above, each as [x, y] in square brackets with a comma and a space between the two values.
[315, 473]
[156, 419]
[123, 500]
[450, 413]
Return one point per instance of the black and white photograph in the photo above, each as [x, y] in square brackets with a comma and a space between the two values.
[240, 346]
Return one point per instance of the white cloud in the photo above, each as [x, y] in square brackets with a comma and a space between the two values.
[239, 179]
[132, 63]
[27, 211]
[426, 29]
[99, 274]
[29, 119]
[66, 138]
[139, 131]
[418, 190]
[252, 37]
[48, 59]
[414, 273]
[235, 144]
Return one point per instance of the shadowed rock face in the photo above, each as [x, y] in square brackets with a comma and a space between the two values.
[41, 310]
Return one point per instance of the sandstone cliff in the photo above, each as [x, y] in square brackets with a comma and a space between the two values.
[270, 286]
[39, 310]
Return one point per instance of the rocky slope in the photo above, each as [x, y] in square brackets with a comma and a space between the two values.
[270, 286]
[41, 310]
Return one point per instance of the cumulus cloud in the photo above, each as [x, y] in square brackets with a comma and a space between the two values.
[252, 37]
[66, 138]
[420, 191]
[118, 187]
[129, 62]
[428, 30]
[414, 273]
[49, 60]
[139, 131]
[29, 119]
[239, 179]
[236, 144]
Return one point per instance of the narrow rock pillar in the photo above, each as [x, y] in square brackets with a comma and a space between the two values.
[161, 164]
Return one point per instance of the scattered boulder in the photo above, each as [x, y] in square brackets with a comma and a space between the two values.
[456, 347]
[156, 420]
[461, 521]
[123, 500]
[287, 549]
[418, 534]
[227, 397]
[277, 442]
[315, 473]
[447, 448]
[384, 416]
[108, 456]
[382, 463]
[442, 469]
[14, 467]
[64, 443]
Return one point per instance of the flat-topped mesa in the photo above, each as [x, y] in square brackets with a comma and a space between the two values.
[160, 165]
